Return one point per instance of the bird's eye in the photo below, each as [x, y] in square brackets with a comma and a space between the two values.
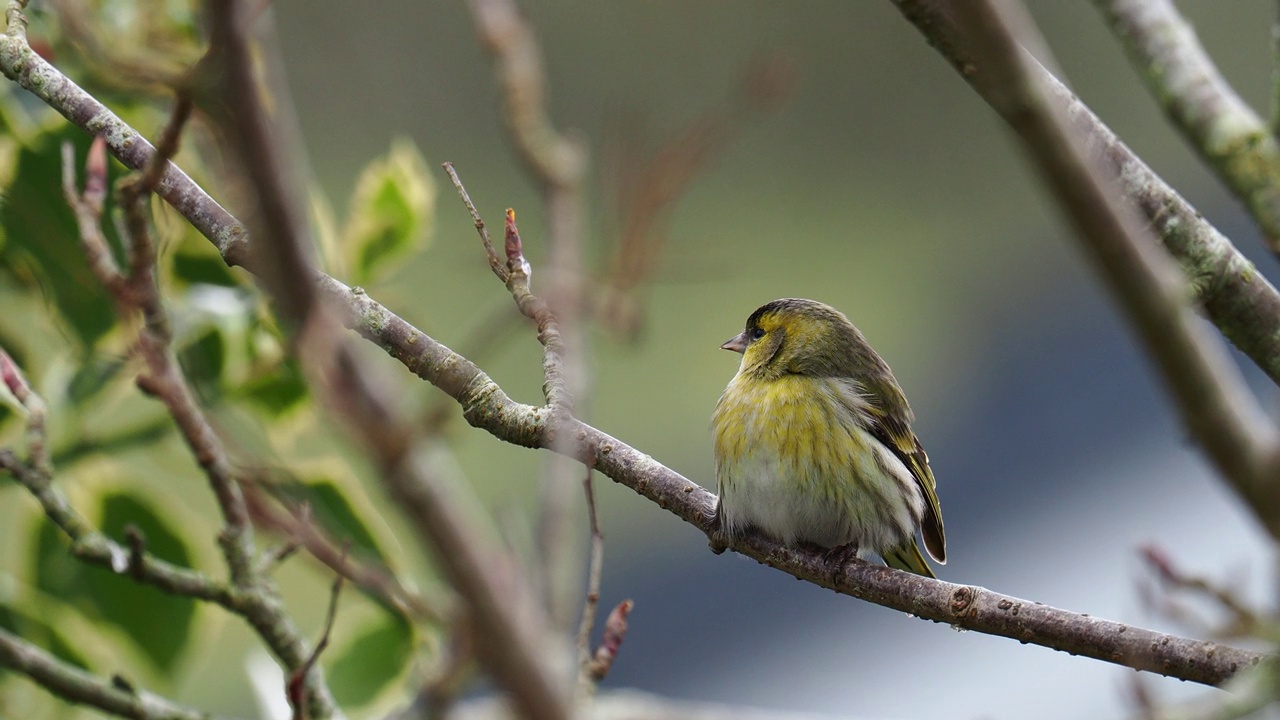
[757, 333]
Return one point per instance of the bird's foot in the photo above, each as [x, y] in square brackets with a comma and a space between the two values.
[836, 558]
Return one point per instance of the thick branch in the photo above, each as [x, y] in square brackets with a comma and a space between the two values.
[486, 406]
[77, 686]
[1239, 300]
[1227, 133]
[1210, 394]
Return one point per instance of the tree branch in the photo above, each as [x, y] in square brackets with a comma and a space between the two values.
[513, 643]
[1209, 392]
[77, 686]
[557, 163]
[94, 547]
[1240, 301]
[487, 406]
[139, 292]
[1222, 128]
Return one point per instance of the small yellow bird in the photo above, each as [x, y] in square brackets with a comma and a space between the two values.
[813, 441]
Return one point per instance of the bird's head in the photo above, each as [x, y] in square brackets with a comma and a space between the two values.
[795, 336]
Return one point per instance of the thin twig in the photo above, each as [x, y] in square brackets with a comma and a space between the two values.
[1245, 620]
[37, 439]
[259, 603]
[96, 548]
[595, 567]
[75, 685]
[615, 631]
[495, 263]
[517, 270]
[295, 686]
[557, 162]
[302, 531]
[1215, 121]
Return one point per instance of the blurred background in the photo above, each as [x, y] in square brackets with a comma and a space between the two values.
[884, 186]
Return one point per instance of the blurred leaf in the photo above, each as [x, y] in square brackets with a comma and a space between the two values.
[203, 359]
[92, 377]
[44, 635]
[116, 440]
[392, 210]
[42, 244]
[159, 624]
[279, 390]
[371, 663]
[194, 267]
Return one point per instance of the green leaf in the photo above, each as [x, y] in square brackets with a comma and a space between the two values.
[371, 663]
[194, 267]
[278, 390]
[42, 244]
[203, 360]
[160, 625]
[92, 378]
[392, 211]
[112, 441]
[34, 630]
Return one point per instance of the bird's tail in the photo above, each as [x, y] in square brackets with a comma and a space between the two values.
[908, 558]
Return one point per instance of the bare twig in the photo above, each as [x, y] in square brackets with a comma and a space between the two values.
[495, 263]
[615, 631]
[1245, 621]
[295, 686]
[303, 531]
[78, 686]
[595, 566]
[1221, 126]
[137, 552]
[557, 162]
[94, 547]
[164, 379]
[649, 185]
[20, 388]
[517, 272]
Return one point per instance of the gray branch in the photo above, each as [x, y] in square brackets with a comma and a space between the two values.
[486, 405]
[1215, 121]
[1242, 303]
[83, 688]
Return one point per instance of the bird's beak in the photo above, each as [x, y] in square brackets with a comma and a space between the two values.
[738, 343]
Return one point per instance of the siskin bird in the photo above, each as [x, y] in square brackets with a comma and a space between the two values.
[813, 441]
